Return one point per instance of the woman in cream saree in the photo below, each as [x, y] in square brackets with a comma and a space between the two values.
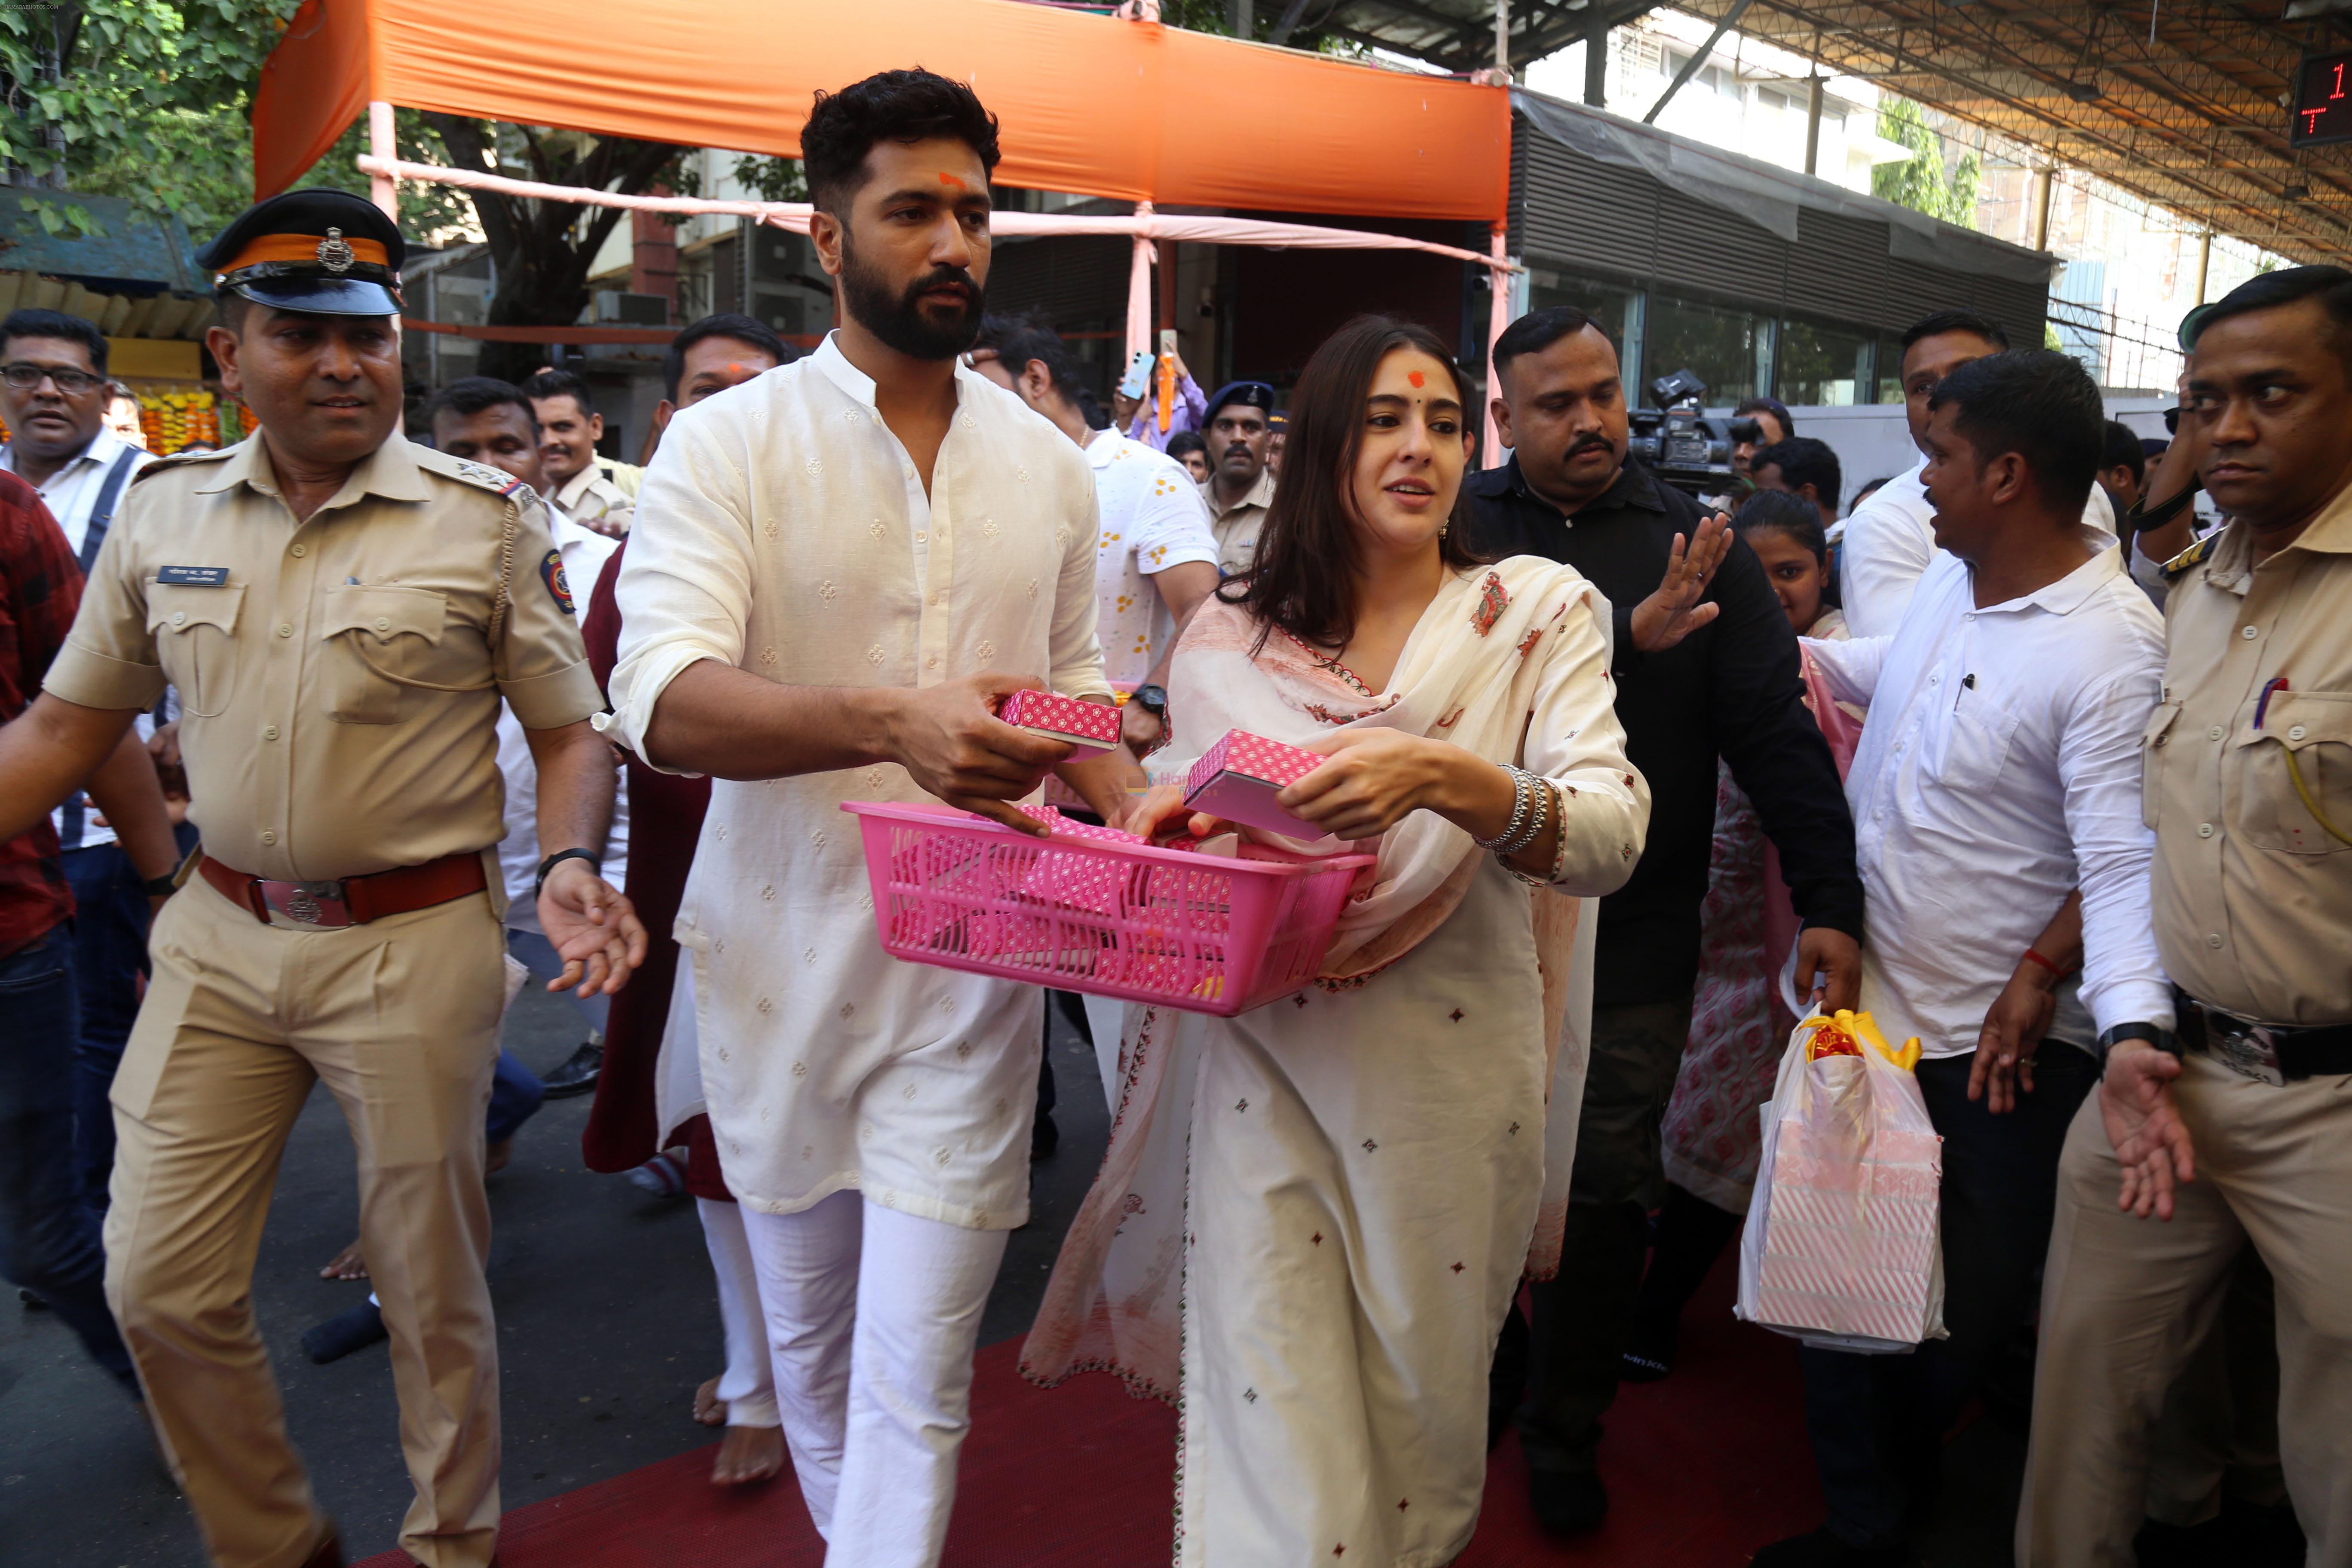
[1312, 1216]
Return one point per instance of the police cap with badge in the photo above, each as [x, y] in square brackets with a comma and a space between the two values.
[324, 252]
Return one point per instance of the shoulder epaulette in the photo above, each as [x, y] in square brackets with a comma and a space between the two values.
[495, 480]
[2189, 557]
[176, 460]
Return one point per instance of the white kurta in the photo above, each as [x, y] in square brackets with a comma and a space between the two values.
[784, 530]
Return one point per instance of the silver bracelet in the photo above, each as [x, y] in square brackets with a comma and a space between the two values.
[1536, 824]
[1521, 801]
[1558, 805]
[1526, 825]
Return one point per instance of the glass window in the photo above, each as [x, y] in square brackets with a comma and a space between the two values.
[1728, 348]
[1889, 369]
[1617, 306]
[1824, 365]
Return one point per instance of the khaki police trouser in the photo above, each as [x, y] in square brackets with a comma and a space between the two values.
[2126, 1301]
[400, 1019]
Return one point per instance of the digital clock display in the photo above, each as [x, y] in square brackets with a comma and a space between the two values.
[2322, 100]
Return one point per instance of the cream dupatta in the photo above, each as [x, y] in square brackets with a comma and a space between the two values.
[1469, 673]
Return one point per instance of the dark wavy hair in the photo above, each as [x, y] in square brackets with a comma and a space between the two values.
[1305, 579]
[906, 106]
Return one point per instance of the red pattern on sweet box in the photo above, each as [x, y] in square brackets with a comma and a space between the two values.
[1493, 600]
[1089, 721]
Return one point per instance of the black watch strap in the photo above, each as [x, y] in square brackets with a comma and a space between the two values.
[2156, 1035]
[595, 864]
[2142, 516]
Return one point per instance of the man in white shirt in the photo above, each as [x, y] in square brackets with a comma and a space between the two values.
[1156, 558]
[493, 422]
[1999, 773]
[1890, 538]
[832, 569]
[53, 385]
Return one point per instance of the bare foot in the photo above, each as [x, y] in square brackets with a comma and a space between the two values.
[749, 1454]
[495, 1157]
[708, 1408]
[348, 1264]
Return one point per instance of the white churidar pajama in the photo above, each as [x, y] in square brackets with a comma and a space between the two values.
[747, 1385]
[785, 531]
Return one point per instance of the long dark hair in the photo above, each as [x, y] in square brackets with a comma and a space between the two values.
[1305, 579]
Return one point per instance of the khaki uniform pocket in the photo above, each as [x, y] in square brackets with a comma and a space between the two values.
[376, 638]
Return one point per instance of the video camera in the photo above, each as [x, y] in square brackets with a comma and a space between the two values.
[1685, 448]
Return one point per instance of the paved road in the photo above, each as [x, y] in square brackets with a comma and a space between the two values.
[606, 1322]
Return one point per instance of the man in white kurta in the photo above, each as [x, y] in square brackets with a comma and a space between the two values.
[785, 531]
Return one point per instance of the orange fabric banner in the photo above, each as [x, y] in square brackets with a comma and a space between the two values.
[1130, 110]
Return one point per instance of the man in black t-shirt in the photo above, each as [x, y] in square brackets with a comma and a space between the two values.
[1706, 666]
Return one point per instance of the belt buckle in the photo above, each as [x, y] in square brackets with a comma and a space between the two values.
[306, 906]
[2250, 1051]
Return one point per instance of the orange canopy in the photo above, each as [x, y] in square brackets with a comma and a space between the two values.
[1130, 110]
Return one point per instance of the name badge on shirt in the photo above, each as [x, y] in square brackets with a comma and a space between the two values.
[193, 576]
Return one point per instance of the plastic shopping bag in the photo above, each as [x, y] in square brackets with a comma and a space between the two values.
[1841, 1247]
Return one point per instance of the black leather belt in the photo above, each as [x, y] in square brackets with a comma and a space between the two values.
[2272, 1054]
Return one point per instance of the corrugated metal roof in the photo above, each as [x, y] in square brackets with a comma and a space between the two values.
[126, 250]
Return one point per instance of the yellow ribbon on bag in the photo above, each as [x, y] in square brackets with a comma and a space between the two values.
[1845, 1034]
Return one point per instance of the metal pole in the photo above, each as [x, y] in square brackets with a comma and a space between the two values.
[1244, 18]
[1498, 315]
[1596, 59]
[1814, 120]
[1503, 36]
[2041, 210]
[2204, 262]
[382, 189]
[1691, 65]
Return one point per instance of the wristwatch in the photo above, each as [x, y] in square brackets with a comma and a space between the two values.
[1152, 699]
[2156, 1035]
[595, 866]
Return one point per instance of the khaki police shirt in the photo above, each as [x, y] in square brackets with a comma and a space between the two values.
[2252, 896]
[1236, 527]
[338, 681]
[596, 502]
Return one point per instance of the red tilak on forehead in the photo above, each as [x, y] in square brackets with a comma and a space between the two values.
[947, 179]
[1415, 377]
[733, 368]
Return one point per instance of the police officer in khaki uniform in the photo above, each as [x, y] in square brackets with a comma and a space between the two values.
[341, 613]
[2240, 1130]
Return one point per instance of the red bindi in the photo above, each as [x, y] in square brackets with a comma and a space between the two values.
[947, 179]
[1415, 377]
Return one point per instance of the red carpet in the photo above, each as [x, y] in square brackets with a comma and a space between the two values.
[1702, 1469]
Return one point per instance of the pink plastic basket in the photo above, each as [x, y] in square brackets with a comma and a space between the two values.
[1089, 910]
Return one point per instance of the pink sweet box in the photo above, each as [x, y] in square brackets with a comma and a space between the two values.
[1238, 778]
[1091, 728]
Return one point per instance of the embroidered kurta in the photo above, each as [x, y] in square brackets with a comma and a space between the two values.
[784, 530]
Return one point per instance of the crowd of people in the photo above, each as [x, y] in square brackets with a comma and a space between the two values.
[2006, 754]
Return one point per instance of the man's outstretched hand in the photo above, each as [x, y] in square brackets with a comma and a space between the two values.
[949, 738]
[1673, 611]
[593, 927]
[2150, 1140]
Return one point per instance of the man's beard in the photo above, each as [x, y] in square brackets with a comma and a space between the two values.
[898, 320]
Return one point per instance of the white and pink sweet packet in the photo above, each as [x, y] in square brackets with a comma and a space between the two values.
[1238, 778]
[1089, 728]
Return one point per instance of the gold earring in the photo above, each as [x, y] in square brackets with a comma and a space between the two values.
[1441, 530]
